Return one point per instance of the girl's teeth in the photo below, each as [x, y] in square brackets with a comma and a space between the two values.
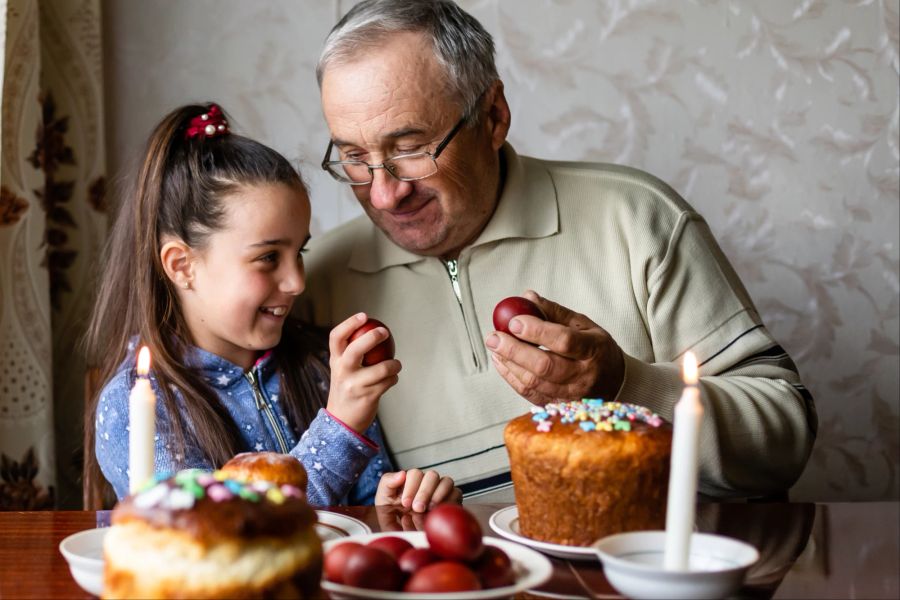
[278, 311]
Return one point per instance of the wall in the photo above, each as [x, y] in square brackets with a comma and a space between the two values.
[777, 120]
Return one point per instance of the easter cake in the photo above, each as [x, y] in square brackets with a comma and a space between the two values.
[200, 534]
[587, 469]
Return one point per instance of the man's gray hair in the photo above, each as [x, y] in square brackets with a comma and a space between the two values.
[461, 45]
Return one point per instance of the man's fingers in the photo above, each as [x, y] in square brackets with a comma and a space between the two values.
[529, 394]
[569, 385]
[557, 313]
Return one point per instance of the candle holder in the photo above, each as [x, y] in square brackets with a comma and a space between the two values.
[633, 565]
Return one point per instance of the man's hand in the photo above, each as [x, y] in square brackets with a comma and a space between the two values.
[581, 359]
[416, 490]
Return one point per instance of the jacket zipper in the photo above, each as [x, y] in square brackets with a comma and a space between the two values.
[453, 271]
[265, 409]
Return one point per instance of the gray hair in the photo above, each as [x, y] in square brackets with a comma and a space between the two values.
[461, 45]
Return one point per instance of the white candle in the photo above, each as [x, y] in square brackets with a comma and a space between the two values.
[141, 425]
[683, 474]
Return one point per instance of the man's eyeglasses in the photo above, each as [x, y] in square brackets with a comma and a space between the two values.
[405, 167]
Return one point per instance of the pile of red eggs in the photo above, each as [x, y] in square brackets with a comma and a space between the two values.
[456, 559]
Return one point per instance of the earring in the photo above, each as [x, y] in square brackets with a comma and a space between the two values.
[186, 285]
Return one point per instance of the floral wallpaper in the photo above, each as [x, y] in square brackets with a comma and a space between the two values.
[778, 121]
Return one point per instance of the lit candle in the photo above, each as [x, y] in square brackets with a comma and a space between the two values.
[141, 425]
[683, 473]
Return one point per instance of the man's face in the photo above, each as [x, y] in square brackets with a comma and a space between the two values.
[393, 101]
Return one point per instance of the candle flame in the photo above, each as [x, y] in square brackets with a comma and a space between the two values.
[689, 369]
[143, 366]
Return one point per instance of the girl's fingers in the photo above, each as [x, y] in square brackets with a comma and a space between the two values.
[426, 491]
[355, 350]
[337, 338]
[442, 492]
[413, 479]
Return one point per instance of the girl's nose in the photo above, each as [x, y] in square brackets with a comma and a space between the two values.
[386, 191]
[294, 281]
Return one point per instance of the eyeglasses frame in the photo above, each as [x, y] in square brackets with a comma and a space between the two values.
[328, 164]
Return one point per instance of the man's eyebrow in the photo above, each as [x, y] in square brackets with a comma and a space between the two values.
[396, 134]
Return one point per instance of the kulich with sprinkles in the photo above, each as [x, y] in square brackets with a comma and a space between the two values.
[586, 469]
[201, 534]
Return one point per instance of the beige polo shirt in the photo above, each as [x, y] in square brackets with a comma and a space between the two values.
[611, 242]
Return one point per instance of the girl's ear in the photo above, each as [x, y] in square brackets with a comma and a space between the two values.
[177, 261]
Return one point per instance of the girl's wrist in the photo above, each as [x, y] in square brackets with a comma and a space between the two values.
[359, 433]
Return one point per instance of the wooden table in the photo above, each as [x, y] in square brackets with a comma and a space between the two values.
[832, 550]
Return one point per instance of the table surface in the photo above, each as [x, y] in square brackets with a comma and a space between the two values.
[831, 550]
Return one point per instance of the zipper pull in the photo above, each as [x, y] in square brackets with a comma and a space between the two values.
[453, 271]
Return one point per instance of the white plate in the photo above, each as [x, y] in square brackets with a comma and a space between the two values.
[531, 568]
[333, 526]
[84, 550]
[505, 522]
[84, 553]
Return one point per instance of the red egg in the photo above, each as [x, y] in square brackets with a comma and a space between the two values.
[514, 306]
[444, 576]
[453, 533]
[494, 569]
[391, 544]
[336, 559]
[373, 569]
[416, 558]
[383, 351]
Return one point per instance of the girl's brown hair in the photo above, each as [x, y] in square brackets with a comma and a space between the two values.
[179, 191]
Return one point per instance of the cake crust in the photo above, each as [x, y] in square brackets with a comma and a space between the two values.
[574, 486]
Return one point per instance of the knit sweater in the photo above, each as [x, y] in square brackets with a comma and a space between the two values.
[611, 242]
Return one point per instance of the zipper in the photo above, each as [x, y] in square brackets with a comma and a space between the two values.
[263, 407]
[453, 271]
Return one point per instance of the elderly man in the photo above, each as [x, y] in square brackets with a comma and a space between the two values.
[629, 274]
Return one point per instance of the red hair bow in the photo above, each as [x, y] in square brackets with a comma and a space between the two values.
[209, 124]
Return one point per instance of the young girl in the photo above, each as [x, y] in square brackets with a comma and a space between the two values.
[202, 266]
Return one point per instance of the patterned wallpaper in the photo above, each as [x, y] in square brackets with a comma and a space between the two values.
[777, 120]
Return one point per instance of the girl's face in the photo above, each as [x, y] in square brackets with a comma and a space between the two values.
[245, 279]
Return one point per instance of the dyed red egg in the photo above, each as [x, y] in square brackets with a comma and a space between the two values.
[514, 306]
[494, 569]
[391, 544]
[453, 533]
[444, 576]
[336, 559]
[372, 569]
[415, 559]
[383, 351]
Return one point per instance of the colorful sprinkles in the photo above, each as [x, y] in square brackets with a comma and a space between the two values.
[185, 488]
[594, 415]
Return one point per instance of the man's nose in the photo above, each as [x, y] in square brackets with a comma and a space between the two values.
[386, 191]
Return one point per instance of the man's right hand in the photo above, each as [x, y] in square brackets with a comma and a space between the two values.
[355, 389]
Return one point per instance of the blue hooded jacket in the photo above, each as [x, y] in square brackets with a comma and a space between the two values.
[343, 467]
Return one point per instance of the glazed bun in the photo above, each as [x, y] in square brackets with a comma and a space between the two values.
[280, 469]
[201, 534]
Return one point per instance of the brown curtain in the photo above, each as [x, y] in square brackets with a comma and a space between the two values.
[52, 226]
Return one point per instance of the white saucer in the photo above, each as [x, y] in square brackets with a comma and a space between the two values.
[84, 553]
[531, 569]
[333, 526]
[633, 565]
[505, 522]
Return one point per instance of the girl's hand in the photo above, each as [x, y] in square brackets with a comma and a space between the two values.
[355, 389]
[416, 490]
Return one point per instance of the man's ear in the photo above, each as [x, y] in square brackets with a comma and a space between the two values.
[177, 260]
[498, 115]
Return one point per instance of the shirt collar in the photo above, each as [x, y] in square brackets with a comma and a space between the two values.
[527, 209]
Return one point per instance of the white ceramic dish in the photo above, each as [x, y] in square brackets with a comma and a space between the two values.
[532, 569]
[333, 526]
[632, 563]
[505, 522]
[84, 553]
[84, 550]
